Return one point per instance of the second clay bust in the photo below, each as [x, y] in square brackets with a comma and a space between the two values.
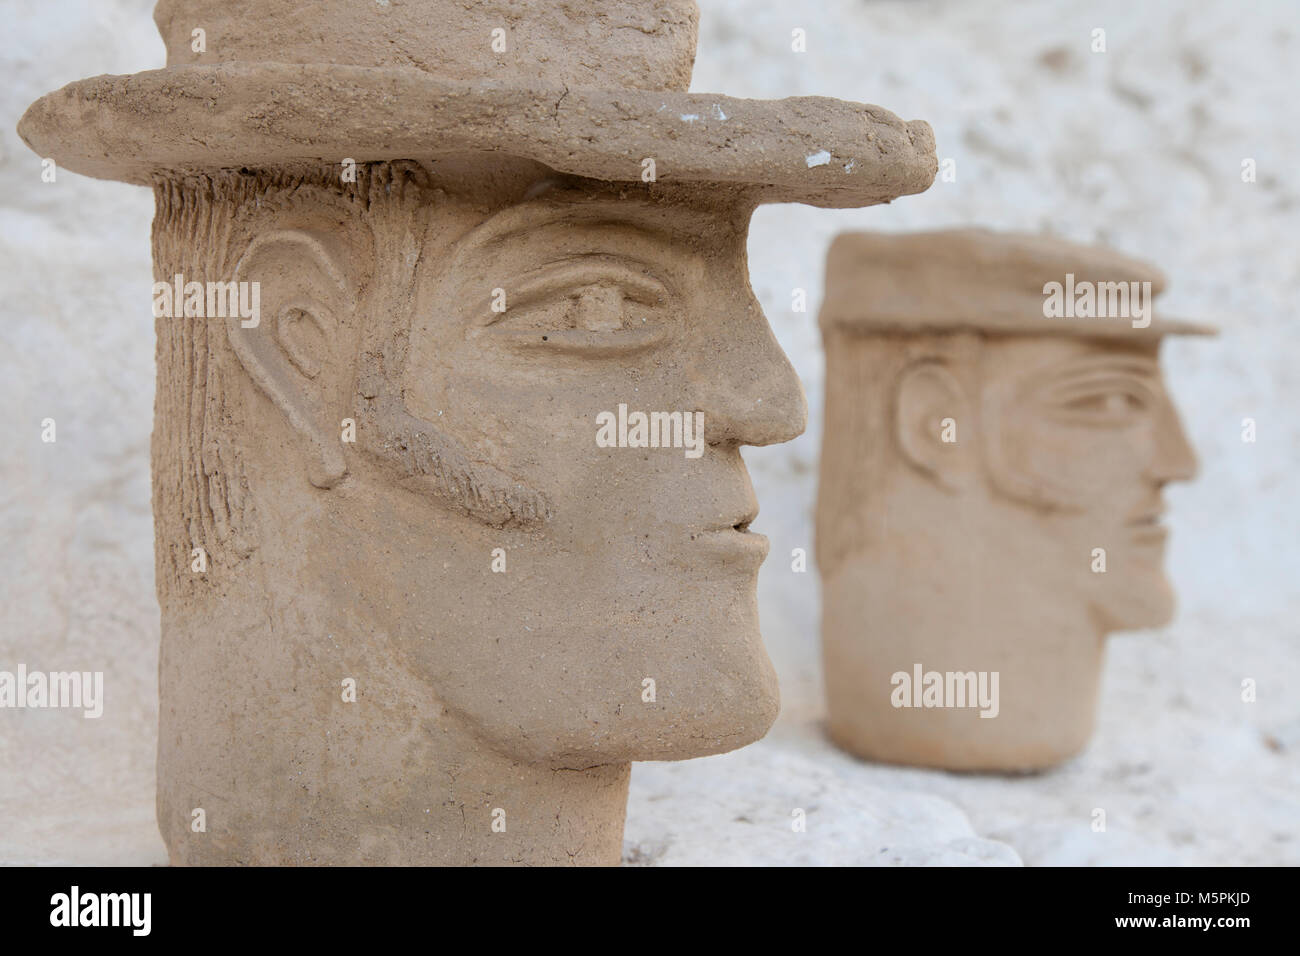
[991, 491]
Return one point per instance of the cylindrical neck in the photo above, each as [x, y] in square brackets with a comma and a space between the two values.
[936, 600]
[304, 741]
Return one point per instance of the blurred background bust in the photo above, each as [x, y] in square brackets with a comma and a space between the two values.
[991, 489]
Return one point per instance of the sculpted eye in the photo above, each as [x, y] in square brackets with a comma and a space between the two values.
[592, 307]
[1103, 403]
[1106, 403]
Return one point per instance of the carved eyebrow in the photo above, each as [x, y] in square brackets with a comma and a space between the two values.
[584, 236]
[529, 219]
[574, 272]
[1069, 393]
[1140, 364]
[1069, 373]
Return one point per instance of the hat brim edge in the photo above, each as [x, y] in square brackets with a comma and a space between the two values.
[1091, 329]
[812, 150]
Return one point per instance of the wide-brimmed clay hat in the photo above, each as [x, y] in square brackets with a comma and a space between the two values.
[985, 281]
[589, 88]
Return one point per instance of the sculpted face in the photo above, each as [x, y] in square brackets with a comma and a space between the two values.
[643, 567]
[1082, 436]
[991, 498]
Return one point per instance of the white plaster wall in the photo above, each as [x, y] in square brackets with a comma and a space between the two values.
[1140, 147]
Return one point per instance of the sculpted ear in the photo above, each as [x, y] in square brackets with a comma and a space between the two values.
[934, 426]
[287, 347]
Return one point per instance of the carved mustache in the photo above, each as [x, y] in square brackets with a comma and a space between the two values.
[425, 459]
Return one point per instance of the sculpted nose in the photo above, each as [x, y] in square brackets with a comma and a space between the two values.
[748, 390]
[1174, 458]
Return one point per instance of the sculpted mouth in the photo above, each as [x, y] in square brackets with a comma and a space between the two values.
[1148, 526]
[1149, 516]
[742, 522]
[1150, 519]
[734, 543]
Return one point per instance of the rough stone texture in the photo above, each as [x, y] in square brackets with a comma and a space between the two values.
[679, 818]
[1140, 147]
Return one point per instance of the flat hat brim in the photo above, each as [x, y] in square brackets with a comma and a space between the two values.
[813, 150]
[1025, 324]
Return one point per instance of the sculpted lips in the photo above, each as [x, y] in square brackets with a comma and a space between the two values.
[743, 522]
[1146, 524]
[738, 519]
[732, 541]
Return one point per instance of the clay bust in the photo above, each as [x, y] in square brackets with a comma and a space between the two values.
[997, 438]
[434, 618]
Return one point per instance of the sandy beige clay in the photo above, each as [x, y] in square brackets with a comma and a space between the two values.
[994, 454]
[414, 609]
